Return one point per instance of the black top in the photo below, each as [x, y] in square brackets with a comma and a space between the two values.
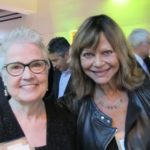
[61, 127]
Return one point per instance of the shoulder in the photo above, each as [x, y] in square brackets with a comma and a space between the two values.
[142, 96]
[73, 103]
[144, 90]
[9, 127]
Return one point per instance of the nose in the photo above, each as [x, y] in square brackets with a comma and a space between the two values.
[98, 61]
[27, 74]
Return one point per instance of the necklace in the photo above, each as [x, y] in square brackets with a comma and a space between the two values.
[116, 105]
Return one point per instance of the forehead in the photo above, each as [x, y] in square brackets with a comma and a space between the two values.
[101, 44]
[55, 56]
[23, 52]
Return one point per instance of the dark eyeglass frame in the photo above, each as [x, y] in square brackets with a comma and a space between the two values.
[45, 62]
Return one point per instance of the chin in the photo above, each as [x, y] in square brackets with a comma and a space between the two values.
[30, 99]
[102, 81]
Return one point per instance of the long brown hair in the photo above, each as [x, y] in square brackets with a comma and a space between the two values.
[128, 77]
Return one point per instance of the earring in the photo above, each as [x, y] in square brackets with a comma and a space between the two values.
[5, 92]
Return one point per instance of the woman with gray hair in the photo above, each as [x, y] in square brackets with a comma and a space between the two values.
[26, 120]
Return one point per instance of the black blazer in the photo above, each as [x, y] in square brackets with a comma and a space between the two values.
[147, 62]
[147, 78]
[139, 66]
[55, 88]
[2, 95]
[50, 81]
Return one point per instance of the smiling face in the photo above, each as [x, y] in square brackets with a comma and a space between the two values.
[100, 64]
[28, 86]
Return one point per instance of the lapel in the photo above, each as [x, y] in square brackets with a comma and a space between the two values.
[147, 62]
[56, 79]
[147, 76]
[69, 86]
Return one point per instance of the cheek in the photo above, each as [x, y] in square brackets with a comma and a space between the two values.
[62, 62]
[114, 60]
[58, 63]
[12, 85]
[85, 64]
[117, 63]
[6, 80]
[44, 80]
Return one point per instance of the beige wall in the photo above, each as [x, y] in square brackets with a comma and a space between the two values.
[39, 20]
[60, 17]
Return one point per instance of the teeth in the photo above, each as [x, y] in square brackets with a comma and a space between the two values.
[28, 86]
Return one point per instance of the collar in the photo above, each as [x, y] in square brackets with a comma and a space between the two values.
[139, 59]
[66, 72]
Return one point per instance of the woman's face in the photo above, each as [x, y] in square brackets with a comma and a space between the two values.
[28, 86]
[101, 64]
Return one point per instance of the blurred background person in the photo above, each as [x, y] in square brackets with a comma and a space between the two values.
[59, 54]
[24, 71]
[139, 39]
[3, 94]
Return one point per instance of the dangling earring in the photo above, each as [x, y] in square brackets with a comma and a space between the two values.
[5, 92]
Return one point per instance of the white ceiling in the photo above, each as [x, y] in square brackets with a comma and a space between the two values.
[20, 6]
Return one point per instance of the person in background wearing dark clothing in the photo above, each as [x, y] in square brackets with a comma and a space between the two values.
[26, 121]
[111, 102]
[139, 39]
[2, 91]
[3, 94]
[59, 53]
[50, 81]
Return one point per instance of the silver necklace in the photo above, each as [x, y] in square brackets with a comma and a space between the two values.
[116, 105]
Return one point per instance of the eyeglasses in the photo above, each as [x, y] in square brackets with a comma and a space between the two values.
[17, 68]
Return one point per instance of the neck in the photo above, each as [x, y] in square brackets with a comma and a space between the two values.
[108, 90]
[33, 109]
[110, 100]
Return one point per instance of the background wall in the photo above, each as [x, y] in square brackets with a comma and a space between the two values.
[62, 17]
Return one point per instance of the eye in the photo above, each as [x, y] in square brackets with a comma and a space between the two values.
[107, 52]
[87, 55]
[14, 66]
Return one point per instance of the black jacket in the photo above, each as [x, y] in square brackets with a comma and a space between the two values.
[95, 131]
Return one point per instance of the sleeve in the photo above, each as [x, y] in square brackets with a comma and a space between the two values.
[144, 95]
[71, 102]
